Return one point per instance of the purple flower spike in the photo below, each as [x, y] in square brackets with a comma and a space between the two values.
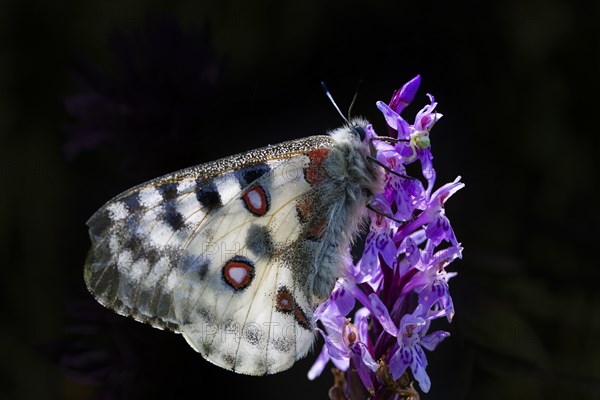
[401, 279]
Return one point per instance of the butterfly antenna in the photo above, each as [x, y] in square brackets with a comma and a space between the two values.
[354, 99]
[328, 94]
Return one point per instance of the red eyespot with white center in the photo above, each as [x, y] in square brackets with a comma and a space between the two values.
[256, 200]
[238, 273]
[285, 303]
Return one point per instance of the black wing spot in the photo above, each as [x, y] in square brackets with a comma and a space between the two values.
[134, 244]
[168, 190]
[252, 333]
[173, 217]
[195, 262]
[259, 240]
[208, 195]
[151, 255]
[132, 202]
[286, 303]
[282, 344]
[249, 175]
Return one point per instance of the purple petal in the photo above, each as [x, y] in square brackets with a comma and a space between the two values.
[418, 365]
[412, 252]
[436, 292]
[410, 227]
[319, 364]
[401, 359]
[405, 95]
[386, 248]
[369, 261]
[416, 238]
[380, 312]
[442, 194]
[366, 357]
[342, 365]
[391, 117]
[381, 203]
[431, 341]
[363, 369]
[404, 129]
[445, 256]
[417, 282]
[364, 274]
[358, 294]
[335, 345]
[405, 193]
[361, 320]
[386, 153]
[376, 280]
[331, 317]
[439, 229]
[343, 299]
[426, 159]
[412, 319]
[427, 116]
[322, 308]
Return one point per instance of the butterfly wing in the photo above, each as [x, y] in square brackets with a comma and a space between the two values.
[224, 253]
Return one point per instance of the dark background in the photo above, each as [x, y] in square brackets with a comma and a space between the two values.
[98, 96]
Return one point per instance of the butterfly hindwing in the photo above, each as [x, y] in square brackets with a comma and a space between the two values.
[219, 253]
[234, 315]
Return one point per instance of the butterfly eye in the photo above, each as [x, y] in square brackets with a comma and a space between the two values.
[360, 131]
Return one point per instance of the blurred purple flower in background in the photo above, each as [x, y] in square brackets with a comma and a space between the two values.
[400, 282]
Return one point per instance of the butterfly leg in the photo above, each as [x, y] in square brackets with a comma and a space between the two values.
[387, 215]
[388, 169]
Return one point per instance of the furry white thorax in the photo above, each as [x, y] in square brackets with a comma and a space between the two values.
[354, 179]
